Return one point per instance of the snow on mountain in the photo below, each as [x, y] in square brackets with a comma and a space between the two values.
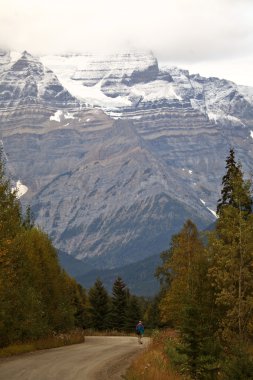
[119, 81]
[86, 76]
[4, 58]
[118, 187]
[247, 92]
[221, 100]
[24, 80]
[213, 212]
[112, 81]
[59, 114]
[90, 69]
[20, 189]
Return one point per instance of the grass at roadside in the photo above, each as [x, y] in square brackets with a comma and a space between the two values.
[52, 341]
[154, 363]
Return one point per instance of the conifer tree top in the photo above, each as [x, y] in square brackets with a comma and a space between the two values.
[235, 190]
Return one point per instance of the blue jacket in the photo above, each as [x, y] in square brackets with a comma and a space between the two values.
[139, 328]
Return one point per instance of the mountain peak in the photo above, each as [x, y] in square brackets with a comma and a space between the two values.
[28, 82]
[115, 191]
[25, 61]
[25, 54]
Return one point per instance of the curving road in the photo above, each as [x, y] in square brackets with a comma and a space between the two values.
[99, 358]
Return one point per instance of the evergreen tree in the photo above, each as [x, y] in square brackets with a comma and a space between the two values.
[231, 273]
[207, 292]
[10, 210]
[28, 221]
[119, 304]
[99, 306]
[198, 342]
[133, 314]
[188, 301]
[81, 306]
[235, 191]
[152, 315]
[231, 247]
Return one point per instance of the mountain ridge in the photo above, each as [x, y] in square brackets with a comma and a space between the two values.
[112, 181]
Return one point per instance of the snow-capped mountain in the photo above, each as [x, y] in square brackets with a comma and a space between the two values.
[25, 81]
[103, 80]
[125, 81]
[115, 151]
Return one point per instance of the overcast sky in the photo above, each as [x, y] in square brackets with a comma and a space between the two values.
[212, 37]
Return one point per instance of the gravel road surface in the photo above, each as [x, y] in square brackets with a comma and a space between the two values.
[98, 358]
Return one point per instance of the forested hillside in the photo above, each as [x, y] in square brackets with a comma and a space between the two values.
[37, 297]
[206, 294]
[207, 291]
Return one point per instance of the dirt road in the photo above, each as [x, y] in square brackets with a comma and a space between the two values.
[99, 358]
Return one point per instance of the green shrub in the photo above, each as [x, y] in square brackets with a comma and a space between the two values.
[238, 367]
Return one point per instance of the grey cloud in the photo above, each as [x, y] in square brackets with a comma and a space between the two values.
[183, 30]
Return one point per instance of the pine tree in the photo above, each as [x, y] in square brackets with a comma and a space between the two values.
[119, 305]
[81, 306]
[235, 191]
[198, 343]
[10, 210]
[99, 306]
[231, 273]
[231, 250]
[133, 314]
[28, 221]
[152, 315]
[188, 301]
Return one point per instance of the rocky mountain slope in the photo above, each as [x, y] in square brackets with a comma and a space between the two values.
[116, 152]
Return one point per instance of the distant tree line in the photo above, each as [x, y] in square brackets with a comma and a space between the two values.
[207, 286]
[119, 311]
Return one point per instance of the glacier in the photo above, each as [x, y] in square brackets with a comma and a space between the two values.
[117, 151]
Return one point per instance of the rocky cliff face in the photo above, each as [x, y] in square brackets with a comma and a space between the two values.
[26, 82]
[116, 152]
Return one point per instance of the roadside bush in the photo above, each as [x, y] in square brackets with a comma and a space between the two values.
[239, 367]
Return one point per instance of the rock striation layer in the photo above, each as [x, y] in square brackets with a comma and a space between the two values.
[117, 152]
